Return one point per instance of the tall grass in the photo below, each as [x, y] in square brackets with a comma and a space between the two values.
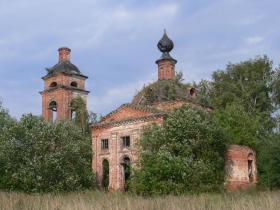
[117, 201]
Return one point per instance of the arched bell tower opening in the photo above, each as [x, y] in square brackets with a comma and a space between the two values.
[53, 111]
[62, 83]
[126, 172]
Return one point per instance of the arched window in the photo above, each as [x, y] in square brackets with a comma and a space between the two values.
[74, 84]
[73, 110]
[53, 110]
[126, 171]
[105, 174]
[192, 92]
[250, 167]
[53, 84]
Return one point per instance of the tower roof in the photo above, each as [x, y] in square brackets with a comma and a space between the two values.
[165, 45]
[64, 64]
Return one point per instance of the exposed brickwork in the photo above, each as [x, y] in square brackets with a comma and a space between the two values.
[125, 113]
[64, 54]
[166, 69]
[116, 153]
[62, 88]
[240, 167]
[167, 106]
[117, 124]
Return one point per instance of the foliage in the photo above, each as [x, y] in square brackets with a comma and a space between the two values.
[185, 154]
[242, 128]
[164, 90]
[249, 83]
[5, 118]
[268, 161]
[203, 88]
[81, 117]
[37, 156]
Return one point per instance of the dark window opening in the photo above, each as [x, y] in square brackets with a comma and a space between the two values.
[104, 143]
[53, 84]
[126, 172]
[53, 110]
[126, 141]
[250, 170]
[105, 177]
[192, 92]
[74, 84]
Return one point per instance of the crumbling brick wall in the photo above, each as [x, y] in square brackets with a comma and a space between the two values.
[240, 167]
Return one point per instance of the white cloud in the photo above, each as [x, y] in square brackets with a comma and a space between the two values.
[254, 40]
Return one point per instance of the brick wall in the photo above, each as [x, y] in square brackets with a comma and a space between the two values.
[166, 69]
[115, 153]
[237, 160]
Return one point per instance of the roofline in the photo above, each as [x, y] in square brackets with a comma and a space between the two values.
[128, 120]
[71, 74]
[64, 87]
[133, 106]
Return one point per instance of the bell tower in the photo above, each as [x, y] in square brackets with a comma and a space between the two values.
[166, 64]
[62, 83]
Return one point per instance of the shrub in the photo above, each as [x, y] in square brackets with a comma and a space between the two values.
[185, 154]
[37, 156]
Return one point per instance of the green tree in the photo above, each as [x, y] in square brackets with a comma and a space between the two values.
[249, 83]
[268, 162]
[185, 154]
[242, 128]
[37, 156]
[81, 116]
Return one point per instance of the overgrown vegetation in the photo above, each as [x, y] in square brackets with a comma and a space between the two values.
[37, 156]
[183, 155]
[111, 201]
[165, 90]
[245, 98]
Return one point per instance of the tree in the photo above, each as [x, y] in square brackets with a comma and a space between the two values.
[268, 162]
[38, 156]
[249, 83]
[81, 117]
[185, 154]
[241, 127]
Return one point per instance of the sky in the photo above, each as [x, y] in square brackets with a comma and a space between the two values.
[114, 42]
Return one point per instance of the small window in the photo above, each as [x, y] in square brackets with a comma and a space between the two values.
[53, 84]
[192, 92]
[74, 84]
[126, 141]
[104, 143]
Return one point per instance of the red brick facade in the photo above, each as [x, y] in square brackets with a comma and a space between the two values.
[166, 69]
[240, 167]
[61, 86]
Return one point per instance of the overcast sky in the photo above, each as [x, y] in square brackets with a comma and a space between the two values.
[113, 42]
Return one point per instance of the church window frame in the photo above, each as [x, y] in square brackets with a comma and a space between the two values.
[126, 141]
[104, 144]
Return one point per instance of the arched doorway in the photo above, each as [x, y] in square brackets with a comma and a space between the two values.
[105, 174]
[126, 172]
[250, 167]
[53, 111]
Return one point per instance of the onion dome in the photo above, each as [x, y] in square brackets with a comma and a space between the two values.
[165, 45]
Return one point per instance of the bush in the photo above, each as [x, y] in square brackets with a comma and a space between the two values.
[242, 128]
[37, 156]
[268, 162]
[185, 154]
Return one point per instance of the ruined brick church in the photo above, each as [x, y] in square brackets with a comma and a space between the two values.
[115, 136]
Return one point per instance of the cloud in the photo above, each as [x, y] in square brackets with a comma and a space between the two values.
[114, 42]
[254, 40]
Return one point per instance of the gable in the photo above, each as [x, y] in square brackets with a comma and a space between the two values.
[125, 112]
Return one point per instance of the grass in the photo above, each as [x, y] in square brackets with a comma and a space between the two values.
[116, 201]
